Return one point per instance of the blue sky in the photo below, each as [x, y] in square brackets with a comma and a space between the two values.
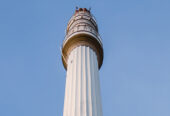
[135, 76]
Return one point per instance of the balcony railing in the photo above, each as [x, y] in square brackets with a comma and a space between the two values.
[82, 29]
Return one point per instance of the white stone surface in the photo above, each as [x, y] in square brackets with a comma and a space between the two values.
[82, 90]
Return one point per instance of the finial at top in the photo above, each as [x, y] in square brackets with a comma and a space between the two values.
[81, 9]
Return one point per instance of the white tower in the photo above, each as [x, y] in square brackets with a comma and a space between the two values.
[82, 55]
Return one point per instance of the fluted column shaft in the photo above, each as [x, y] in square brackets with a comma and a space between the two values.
[82, 90]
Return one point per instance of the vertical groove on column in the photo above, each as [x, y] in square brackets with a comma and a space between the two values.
[96, 85]
[89, 95]
[85, 77]
[99, 94]
[70, 82]
[73, 83]
[79, 77]
[77, 85]
[93, 85]
[92, 88]
[66, 95]
[84, 82]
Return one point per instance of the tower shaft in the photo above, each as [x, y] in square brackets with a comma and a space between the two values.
[82, 93]
[82, 55]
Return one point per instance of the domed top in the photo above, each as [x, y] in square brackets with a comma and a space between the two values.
[82, 30]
